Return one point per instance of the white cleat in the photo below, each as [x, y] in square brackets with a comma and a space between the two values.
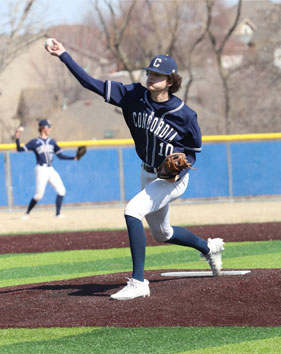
[60, 216]
[214, 256]
[133, 289]
[25, 217]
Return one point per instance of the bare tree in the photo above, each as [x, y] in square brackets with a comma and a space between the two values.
[20, 28]
[81, 40]
[135, 31]
[257, 102]
[125, 35]
[172, 21]
[186, 61]
[218, 49]
[114, 30]
[19, 33]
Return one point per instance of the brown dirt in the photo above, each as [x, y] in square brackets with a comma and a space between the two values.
[115, 239]
[247, 300]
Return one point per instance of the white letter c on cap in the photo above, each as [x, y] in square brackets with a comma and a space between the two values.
[157, 62]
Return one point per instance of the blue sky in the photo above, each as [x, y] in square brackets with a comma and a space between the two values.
[67, 11]
[72, 11]
[50, 12]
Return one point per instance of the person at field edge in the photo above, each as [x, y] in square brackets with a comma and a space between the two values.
[160, 124]
[44, 149]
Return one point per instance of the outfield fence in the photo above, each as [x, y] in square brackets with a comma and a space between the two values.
[229, 167]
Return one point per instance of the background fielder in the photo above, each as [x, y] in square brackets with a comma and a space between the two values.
[160, 124]
[44, 148]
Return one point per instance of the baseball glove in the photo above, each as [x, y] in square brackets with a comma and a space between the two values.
[172, 165]
[81, 151]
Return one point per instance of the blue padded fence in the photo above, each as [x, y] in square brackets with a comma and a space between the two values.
[113, 174]
[3, 192]
[256, 168]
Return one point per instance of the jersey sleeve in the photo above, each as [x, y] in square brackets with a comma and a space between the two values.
[62, 156]
[59, 153]
[116, 91]
[19, 148]
[97, 86]
[27, 147]
[193, 138]
[112, 91]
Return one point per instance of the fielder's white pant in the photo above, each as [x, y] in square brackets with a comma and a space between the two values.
[47, 174]
[153, 203]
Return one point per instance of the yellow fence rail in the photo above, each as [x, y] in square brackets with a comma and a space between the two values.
[241, 137]
[119, 142]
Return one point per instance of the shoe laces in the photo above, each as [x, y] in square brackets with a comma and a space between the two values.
[132, 283]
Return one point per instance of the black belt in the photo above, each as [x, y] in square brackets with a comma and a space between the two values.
[45, 164]
[149, 168]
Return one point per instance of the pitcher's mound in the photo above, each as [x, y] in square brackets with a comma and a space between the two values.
[252, 299]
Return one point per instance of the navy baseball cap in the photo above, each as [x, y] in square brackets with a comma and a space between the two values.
[45, 123]
[163, 64]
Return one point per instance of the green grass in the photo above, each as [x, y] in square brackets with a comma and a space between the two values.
[17, 269]
[156, 340]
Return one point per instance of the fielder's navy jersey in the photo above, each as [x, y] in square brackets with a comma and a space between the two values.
[44, 150]
[157, 128]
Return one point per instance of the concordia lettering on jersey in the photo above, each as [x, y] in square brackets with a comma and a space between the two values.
[157, 128]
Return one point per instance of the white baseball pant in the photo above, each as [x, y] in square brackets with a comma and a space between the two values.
[153, 203]
[47, 174]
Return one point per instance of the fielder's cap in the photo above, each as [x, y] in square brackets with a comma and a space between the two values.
[163, 64]
[45, 123]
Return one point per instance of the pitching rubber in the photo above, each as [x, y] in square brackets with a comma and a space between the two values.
[204, 273]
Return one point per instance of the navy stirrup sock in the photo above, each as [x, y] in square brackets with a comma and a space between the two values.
[184, 237]
[31, 205]
[58, 204]
[137, 245]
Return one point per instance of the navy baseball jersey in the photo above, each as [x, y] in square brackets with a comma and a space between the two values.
[44, 150]
[158, 129]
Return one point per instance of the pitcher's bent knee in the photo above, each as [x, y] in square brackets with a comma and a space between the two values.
[162, 235]
[133, 211]
[62, 191]
[38, 196]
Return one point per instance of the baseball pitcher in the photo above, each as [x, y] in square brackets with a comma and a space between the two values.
[167, 137]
